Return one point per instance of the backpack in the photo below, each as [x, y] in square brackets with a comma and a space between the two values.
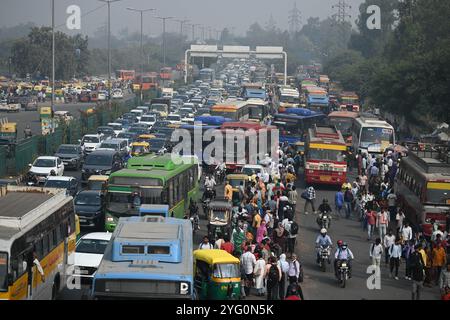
[294, 228]
[348, 196]
[274, 276]
[305, 195]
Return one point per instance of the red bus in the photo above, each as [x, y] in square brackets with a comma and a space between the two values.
[325, 156]
[423, 188]
[149, 81]
[246, 142]
[165, 73]
[125, 75]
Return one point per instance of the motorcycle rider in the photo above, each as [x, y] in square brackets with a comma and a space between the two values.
[323, 240]
[343, 253]
[193, 213]
[209, 184]
[27, 132]
[220, 169]
[324, 208]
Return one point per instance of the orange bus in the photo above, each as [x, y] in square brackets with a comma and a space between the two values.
[125, 75]
[349, 101]
[165, 73]
[423, 188]
[324, 156]
[234, 110]
[343, 121]
[149, 81]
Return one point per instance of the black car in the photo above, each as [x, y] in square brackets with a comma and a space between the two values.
[68, 183]
[202, 111]
[108, 132]
[138, 130]
[130, 136]
[101, 162]
[90, 208]
[71, 155]
[131, 117]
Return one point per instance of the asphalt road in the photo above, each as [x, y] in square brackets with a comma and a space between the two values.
[323, 285]
[24, 118]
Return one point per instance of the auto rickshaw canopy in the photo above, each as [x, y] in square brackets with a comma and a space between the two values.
[215, 256]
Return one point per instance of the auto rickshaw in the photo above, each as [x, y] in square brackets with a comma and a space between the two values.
[8, 131]
[216, 275]
[97, 182]
[45, 113]
[146, 137]
[140, 148]
[219, 218]
[235, 181]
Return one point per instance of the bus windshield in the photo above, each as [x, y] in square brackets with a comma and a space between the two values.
[376, 135]
[226, 270]
[342, 124]
[127, 204]
[3, 271]
[438, 196]
[325, 154]
[289, 99]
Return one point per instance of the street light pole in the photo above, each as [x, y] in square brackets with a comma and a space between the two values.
[109, 47]
[53, 54]
[141, 11]
[164, 37]
[182, 22]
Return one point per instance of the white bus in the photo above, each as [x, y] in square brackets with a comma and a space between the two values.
[37, 230]
[372, 135]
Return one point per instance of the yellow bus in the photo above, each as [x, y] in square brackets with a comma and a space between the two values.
[37, 237]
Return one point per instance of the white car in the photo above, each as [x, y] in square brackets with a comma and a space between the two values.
[42, 167]
[150, 120]
[174, 118]
[117, 94]
[249, 169]
[102, 95]
[89, 253]
[91, 142]
[117, 127]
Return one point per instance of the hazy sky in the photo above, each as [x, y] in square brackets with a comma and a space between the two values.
[214, 13]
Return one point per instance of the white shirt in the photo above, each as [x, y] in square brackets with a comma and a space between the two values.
[407, 233]
[376, 251]
[248, 261]
[204, 246]
[388, 241]
[395, 251]
[38, 266]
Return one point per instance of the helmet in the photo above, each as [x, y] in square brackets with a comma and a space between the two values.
[344, 245]
[323, 230]
[325, 201]
[340, 243]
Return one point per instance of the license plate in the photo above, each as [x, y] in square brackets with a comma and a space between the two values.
[84, 272]
[83, 220]
[325, 178]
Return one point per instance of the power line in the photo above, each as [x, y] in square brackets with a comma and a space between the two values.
[341, 17]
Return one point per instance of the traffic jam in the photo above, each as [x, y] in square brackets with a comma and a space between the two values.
[228, 223]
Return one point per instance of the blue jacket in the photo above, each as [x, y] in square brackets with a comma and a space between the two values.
[339, 199]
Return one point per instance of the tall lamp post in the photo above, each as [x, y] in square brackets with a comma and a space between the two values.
[164, 36]
[53, 55]
[182, 23]
[109, 47]
[141, 11]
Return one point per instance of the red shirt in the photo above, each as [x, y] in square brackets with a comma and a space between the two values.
[228, 247]
[371, 217]
[292, 298]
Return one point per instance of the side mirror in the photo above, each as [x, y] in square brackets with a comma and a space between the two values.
[30, 165]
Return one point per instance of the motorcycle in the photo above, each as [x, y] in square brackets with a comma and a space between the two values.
[31, 180]
[324, 257]
[343, 272]
[324, 220]
[193, 217]
[205, 205]
[208, 194]
[219, 175]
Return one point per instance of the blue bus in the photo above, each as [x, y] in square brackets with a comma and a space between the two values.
[212, 120]
[319, 103]
[297, 121]
[147, 258]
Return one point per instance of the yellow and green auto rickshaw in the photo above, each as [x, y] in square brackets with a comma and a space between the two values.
[235, 180]
[98, 182]
[45, 113]
[140, 148]
[77, 227]
[8, 131]
[216, 275]
[145, 137]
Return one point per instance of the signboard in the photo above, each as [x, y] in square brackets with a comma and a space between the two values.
[47, 126]
[203, 48]
[262, 49]
[243, 49]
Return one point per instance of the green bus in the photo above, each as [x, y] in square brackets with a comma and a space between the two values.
[151, 180]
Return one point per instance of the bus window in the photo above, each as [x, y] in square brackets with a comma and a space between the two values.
[3, 271]
[133, 249]
[158, 250]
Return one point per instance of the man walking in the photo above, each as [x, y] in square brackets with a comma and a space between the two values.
[376, 252]
[395, 254]
[310, 196]
[248, 262]
[416, 267]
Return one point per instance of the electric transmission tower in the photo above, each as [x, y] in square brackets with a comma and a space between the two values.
[341, 17]
[294, 20]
